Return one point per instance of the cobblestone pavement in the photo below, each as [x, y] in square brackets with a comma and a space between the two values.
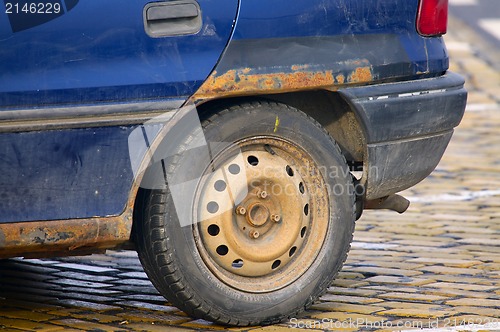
[437, 264]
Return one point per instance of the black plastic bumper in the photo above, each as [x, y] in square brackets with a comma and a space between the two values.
[407, 127]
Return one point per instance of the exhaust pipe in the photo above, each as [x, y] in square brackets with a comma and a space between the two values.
[393, 202]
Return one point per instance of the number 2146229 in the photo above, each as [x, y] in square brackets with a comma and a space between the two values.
[33, 8]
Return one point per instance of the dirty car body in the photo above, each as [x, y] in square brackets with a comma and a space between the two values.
[74, 85]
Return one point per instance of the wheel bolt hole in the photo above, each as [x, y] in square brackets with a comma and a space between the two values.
[301, 188]
[303, 231]
[212, 207]
[220, 185]
[276, 263]
[222, 250]
[289, 170]
[253, 160]
[213, 230]
[237, 264]
[233, 169]
[306, 209]
[292, 251]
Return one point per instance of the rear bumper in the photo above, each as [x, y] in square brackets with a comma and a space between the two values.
[407, 127]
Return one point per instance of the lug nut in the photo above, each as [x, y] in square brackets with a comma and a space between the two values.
[254, 234]
[241, 210]
[262, 193]
[275, 217]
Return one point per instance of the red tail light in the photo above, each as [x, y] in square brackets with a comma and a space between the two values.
[432, 17]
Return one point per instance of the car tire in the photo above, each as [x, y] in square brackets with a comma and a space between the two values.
[264, 242]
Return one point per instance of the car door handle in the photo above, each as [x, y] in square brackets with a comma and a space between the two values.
[172, 18]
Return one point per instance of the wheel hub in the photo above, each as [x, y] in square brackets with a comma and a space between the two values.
[258, 214]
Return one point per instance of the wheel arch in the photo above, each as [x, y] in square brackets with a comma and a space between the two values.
[329, 108]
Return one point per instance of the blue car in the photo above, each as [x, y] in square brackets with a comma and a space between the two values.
[232, 143]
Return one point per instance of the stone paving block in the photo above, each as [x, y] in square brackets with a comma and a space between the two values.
[94, 291]
[152, 327]
[461, 286]
[79, 283]
[348, 274]
[490, 267]
[345, 307]
[446, 261]
[459, 279]
[87, 315]
[136, 289]
[42, 270]
[11, 285]
[386, 264]
[349, 283]
[25, 314]
[438, 269]
[134, 282]
[386, 271]
[37, 261]
[86, 268]
[412, 305]
[146, 305]
[352, 291]
[492, 312]
[357, 257]
[27, 325]
[135, 275]
[452, 293]
[475, 240]
[82, 276]
[86, 325]
[131, 316]
[143, 297]
[373, 246]
[27, 275]
[349, 299]
[409, 281]
[412, 297]
[394, 288]
[417, 313]
[34, 305]
[470, 230]
[79, 296]
[476, 302]
[87, 305]
[435, 242]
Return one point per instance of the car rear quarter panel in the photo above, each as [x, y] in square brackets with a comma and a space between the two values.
[285, 46]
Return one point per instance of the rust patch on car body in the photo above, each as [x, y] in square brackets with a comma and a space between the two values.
[246, 81]
[63, 237]
[360, 75]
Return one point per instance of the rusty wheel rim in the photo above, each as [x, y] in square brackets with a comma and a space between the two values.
[263, 213]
